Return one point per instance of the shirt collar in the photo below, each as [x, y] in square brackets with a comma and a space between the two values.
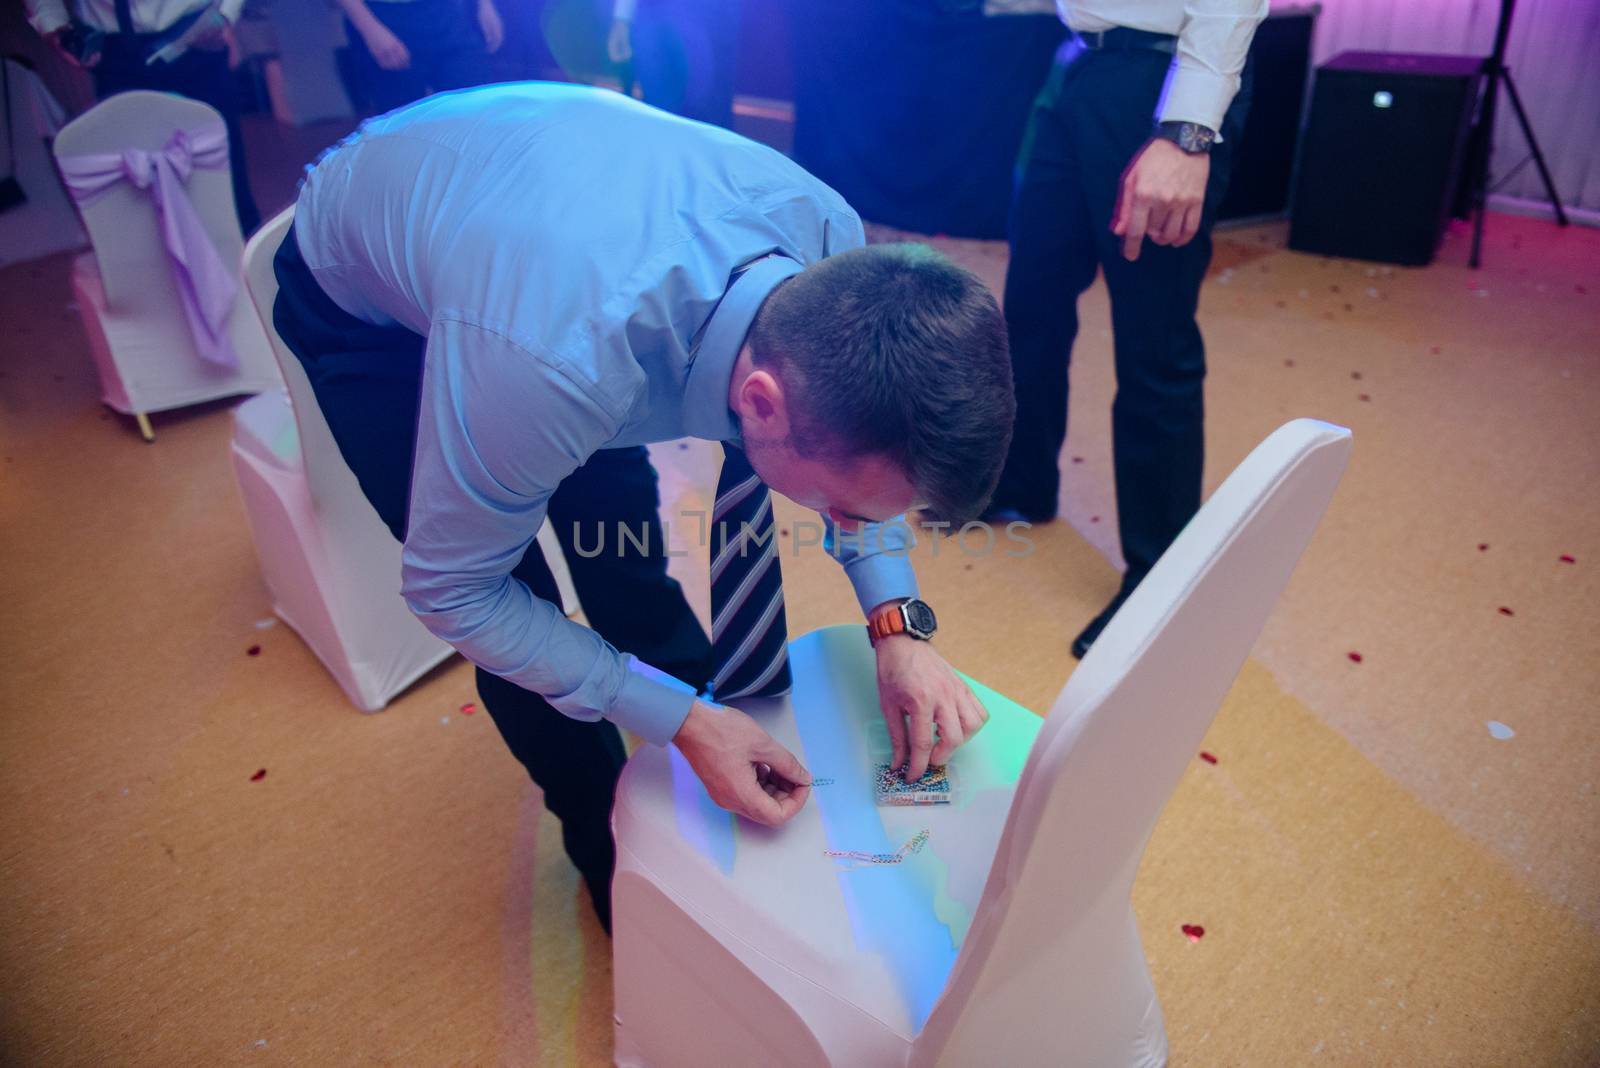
[705, 391]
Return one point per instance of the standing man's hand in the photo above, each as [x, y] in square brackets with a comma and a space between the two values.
[390, 52]
[58, 41]
[921, 694]
[619, 43]
[494, 31]
[1163, 192]
[743, 768]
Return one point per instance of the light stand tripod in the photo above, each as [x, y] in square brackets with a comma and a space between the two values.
[1494, 69]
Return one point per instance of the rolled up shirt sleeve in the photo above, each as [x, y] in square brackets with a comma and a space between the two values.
[1212, 47]
[500, 426]
[876, 559]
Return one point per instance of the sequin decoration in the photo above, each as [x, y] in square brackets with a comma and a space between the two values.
[858, 858]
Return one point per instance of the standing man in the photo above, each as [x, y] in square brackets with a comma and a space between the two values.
[684, 53]
[501, 295]
[1123, 166]
[406, 49]
[114, 41]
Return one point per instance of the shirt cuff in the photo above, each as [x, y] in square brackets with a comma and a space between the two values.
[651, 703]
[49, 18]
[624, 10]
[230, 10]
[880, 578]
[1194, 94]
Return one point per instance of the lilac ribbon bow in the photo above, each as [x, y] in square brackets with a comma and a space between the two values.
[206, 287]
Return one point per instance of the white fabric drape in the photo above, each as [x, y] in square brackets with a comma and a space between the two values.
[1551, 54]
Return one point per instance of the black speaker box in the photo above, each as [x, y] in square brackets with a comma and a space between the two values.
[1382, 154]
[1263, 160]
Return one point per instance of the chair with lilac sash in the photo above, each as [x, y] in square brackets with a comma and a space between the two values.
[168, 322]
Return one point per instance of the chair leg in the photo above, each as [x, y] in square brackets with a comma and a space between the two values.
[145, 429]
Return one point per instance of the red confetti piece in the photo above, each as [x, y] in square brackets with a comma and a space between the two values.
[1193, 932]
[1506, 611]
[1435, 350]
[784, 531]
[258, 776]
[1565, 559]
[1355, 658]
[1207, 757]
[1356, 375]
[1279, 304]
[1349, 307]
[1077, 459]
[1483, 546]
[969, 567]
[1094, 519]
[1288, 363]
[1582, 289]
[254, 650]
[1365, 397]
[468, 709]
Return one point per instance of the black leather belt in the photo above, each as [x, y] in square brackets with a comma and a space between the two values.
[1122, 38]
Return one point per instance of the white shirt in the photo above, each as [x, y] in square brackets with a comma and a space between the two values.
[149, 16]
[1213, 39]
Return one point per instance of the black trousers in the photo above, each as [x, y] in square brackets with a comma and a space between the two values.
[197, 74]
[1092, 116]
[446, 46]
[368, 382]
[684, 55]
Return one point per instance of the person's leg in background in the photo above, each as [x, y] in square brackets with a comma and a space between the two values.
[685, 53]
[381, 89]
[450, 52]
[1158, 417]
[367, 381]
[1052, 261]
[198, 74]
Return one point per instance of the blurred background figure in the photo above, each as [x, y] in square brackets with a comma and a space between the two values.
[682, 54]
[170, 46]
[402, 50]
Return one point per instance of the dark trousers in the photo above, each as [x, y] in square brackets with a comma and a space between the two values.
[684, 56]
[1093, 115]
[368, 382]
[446, 46]
[197, 74]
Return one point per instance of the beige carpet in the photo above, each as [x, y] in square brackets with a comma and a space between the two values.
[1380, 880]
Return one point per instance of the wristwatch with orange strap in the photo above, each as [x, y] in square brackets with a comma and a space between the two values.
[911, 616]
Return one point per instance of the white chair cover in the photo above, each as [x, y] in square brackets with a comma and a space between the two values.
[331, 565]
[137, 294]
[1009, 938]
[46, 224]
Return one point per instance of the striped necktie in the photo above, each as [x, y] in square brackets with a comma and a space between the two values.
[749, 635]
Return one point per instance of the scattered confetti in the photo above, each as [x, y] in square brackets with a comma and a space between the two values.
[1279, 304]
[259, 775]
[1506, 611]
[254, 650]
[1207, 757]
[1365, 397]
[1483, 546]
[1077, 459]
[1349, 307]
[1582, 289]
[1355, 658]
[266, 624]
[1193, 932]
[1434, 350]
[1356, 375]
[1565, 559]
[444, 720]
[784, 531]
[261, 1043]
[1288, 363]
[1094, 519]
[468, 709]
[1500, 730]
[858, 858]
[968, 567]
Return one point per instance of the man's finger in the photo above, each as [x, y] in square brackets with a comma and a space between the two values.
[973, 714]
[921, 745]
[754, 803]
[951, 736]
[1191, 224]
[1172, 226]
[895, 720]
[1121, 217]
[1133, 237]
[785, 765]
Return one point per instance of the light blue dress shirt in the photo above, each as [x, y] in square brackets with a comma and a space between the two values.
[567, 251]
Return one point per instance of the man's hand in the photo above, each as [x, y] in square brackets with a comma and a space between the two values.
[390, 52]
[920, 692]
[494, 31]
[619, 43]
[744, 770]
[58, 41]
[1163, 191]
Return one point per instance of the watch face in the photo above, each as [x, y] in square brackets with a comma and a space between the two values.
[920, 619]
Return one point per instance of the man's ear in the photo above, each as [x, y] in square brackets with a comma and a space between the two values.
[763, 405]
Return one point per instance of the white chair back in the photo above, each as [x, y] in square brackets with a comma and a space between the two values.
[46, 223]
[122, 223]
[1054, 931]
